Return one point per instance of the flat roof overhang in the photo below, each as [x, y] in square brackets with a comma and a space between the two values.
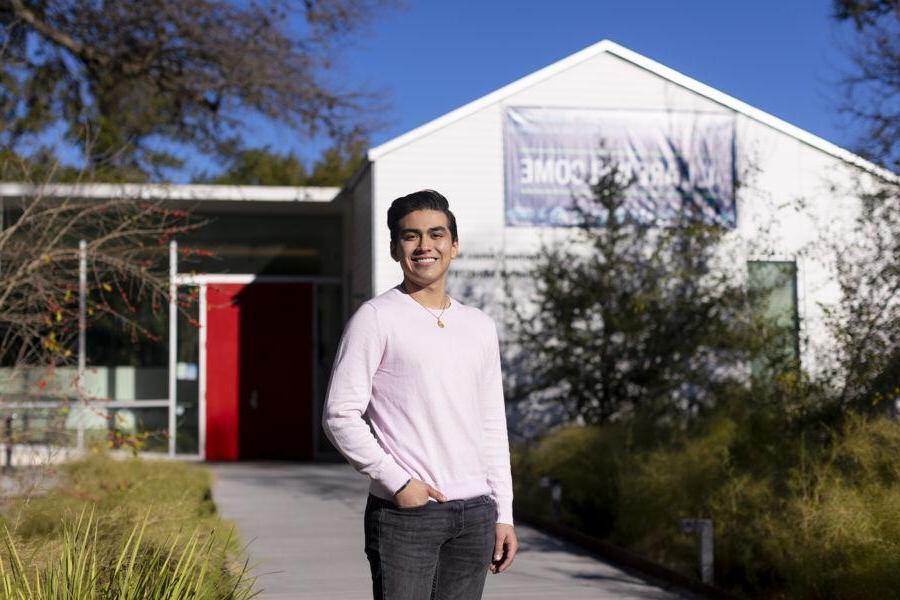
[199, 198]
[173, 191]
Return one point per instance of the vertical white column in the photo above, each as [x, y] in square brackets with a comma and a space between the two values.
[173, 341]
[82, 336]
[201, 410]
[82, 308]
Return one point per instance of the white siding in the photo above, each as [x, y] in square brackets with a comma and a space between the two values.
[359, 258]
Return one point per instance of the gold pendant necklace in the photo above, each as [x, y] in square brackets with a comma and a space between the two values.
[440, 323]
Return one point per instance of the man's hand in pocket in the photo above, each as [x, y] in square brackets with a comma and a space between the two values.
[417, 493]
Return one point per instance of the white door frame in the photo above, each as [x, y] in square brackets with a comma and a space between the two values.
[203, 281]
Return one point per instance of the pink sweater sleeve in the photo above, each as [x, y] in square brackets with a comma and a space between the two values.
[349, 391]
[496, 441]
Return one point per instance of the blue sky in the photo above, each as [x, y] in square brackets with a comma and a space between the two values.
[784, 57]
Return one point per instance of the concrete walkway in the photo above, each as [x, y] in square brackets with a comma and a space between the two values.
[302, 524]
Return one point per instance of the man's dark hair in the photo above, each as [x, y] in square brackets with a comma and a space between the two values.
[421, 200]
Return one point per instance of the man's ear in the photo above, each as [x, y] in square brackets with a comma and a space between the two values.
[454, 249]
[394, 252]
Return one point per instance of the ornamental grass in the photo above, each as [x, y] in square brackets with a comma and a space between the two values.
[129, 530]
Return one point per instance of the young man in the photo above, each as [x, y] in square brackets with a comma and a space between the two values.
[416, 403]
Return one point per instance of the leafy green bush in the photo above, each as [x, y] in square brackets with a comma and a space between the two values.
[660, 487]
[585, 461]
[845, 516]
[808, 515]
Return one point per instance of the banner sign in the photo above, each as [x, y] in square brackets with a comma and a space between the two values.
[679, 164]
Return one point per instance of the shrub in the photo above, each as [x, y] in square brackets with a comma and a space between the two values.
[844, 516]
[662, 486]
[585, 462]
[817, 515]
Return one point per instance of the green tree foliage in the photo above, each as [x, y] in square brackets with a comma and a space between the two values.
[132, 83]
[263, 167]
[335, 167]
[338, 163]
[628, 317]
[43, 166]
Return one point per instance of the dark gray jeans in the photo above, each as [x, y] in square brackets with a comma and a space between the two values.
[440, 551]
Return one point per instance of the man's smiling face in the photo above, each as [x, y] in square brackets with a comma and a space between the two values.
[424, 247]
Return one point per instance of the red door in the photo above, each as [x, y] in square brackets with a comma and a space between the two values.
[259, 371]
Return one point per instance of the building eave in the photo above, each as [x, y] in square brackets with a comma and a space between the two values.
[172, 191]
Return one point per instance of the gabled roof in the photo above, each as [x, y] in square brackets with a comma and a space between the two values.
[652, 66]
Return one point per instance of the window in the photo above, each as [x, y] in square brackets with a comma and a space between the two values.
[773, 302]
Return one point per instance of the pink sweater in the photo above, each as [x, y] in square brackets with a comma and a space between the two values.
[433, 398]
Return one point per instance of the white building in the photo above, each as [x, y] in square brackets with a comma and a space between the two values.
[477, 156]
